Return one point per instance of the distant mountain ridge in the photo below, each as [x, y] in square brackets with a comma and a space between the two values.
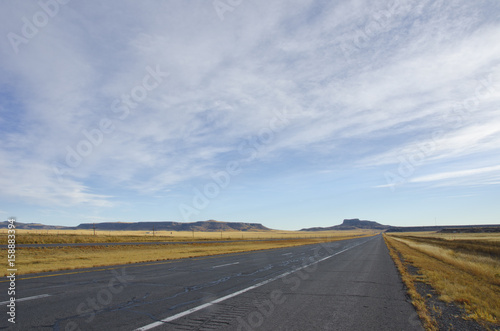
[352, 224]
[33, 226]
[212, 225]
[209, 226]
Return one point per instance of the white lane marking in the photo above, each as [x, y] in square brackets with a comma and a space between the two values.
[28, 298]
[287, 254]
[223, 265]
[208, 304]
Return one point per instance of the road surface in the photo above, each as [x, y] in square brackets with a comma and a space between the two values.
[345, 285]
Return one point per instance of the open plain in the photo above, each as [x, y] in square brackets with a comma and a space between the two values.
[463, 269]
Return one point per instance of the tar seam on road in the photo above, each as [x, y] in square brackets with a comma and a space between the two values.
[208, 304]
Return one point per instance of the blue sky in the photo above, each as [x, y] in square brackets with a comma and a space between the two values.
[291, 114]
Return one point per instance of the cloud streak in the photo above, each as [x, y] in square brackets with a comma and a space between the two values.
[457, 174]
[366, 83]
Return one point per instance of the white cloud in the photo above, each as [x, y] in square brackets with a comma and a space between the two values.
[458, 174]
[227, 79]
[31, 180]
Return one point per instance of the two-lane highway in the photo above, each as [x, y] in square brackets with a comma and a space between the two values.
[344, 285]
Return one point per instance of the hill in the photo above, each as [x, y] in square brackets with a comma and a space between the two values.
[176, 226]
[201, 226]
[352, 224]
[33, 226]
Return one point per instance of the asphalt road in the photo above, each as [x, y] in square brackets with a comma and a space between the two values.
[347, 285]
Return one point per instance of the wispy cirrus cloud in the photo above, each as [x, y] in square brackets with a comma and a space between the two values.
[493, 170]
[364, 83]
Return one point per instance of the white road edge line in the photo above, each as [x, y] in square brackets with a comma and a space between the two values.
[223, 265]
[28, 298]
[208, 304]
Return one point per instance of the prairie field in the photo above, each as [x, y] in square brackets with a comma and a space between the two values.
[464, 268]
[44, 259]
[87, 236]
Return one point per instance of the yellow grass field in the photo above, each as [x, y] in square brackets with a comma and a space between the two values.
[479, 237]
[34, 260]
[463, 268]
[87, 236]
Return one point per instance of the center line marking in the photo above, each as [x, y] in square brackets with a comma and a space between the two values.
[223, 265]
[224, 298]
[28, 298]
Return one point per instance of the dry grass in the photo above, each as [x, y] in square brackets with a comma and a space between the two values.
[478, 237]
[33, 260]
[460, 269]
[485, 244]
[86, 236]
